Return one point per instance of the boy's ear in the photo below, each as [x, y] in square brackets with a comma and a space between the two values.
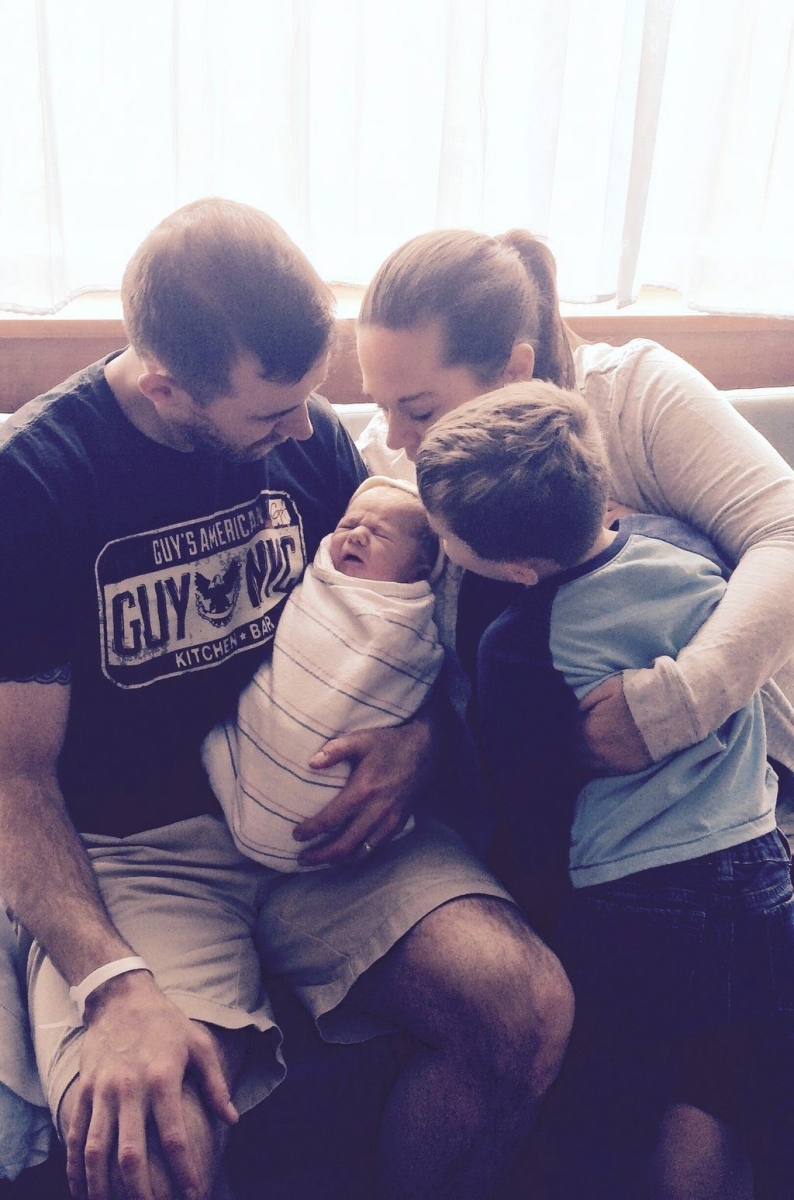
[522, 572]
[520, 364]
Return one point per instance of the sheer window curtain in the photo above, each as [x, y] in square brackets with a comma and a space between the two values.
[651, 141]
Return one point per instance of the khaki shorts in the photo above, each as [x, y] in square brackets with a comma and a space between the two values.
[210, 923]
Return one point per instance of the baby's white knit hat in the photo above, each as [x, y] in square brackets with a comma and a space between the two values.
[385, 481]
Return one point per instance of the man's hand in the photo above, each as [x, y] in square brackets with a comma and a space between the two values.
[136, 1052]
[138, 1046]
[391, 767]
[612, 742]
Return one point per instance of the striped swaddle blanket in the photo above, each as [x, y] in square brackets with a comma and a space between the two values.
[348, 654]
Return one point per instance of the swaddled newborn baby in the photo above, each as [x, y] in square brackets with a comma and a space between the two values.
[356, 648]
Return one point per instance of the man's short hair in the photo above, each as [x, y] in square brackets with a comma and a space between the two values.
[517, 474]
[216, 279]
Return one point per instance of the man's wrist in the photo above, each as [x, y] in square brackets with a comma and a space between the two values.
[81, 992]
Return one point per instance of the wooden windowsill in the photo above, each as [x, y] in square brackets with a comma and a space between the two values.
[651, 301]
[732, 351]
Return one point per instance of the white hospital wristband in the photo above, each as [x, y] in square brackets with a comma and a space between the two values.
[120, 966]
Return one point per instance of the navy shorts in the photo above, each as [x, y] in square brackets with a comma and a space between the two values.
[662, 963]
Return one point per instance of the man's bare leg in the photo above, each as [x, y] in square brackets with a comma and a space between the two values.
[699, 1158]
[492, 1009]
[207, 1135]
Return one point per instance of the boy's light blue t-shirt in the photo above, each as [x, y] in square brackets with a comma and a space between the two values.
[642, 599]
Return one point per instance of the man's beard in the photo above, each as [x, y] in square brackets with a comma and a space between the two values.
[207, 440]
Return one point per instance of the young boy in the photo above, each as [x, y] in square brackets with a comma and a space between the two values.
[356, 648]
[679, 931]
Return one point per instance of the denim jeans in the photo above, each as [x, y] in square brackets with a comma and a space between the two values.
[661, 962]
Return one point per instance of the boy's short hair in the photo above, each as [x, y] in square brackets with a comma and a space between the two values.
[216, 279]
[517, 474]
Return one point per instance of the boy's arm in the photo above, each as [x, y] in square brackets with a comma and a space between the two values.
[137, 1045]
[611, 742]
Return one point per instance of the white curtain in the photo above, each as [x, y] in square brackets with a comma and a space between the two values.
[651, 141]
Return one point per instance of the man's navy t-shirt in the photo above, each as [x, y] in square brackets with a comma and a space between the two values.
[158, 577]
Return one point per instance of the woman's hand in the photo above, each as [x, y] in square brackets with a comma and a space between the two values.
[391, 768]
[615, 511]
[612, 743]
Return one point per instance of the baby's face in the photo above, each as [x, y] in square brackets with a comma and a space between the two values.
[377, 537]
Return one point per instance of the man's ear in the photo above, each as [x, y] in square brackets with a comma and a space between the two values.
[160, 388]
[520, 364]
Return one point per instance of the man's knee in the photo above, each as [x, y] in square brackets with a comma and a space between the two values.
[523, 993]
[206, 1134]
[698, 1156]
[496, 992]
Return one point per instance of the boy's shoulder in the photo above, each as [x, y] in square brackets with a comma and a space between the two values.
[675, 533]
[645, 567]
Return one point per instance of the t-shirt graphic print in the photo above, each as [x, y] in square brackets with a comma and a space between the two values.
[185, 597]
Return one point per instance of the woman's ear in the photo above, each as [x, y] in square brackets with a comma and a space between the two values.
[520, 364]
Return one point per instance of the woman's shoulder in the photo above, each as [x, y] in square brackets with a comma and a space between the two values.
[594, 359]
[639, 377]
[380, 459]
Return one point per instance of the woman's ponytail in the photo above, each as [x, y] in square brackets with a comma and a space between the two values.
[553, 358]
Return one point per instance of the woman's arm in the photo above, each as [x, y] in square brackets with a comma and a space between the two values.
[677, 447]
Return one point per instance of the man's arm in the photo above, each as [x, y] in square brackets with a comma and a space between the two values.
[391, 770]
[47, 878]
[138, 1045]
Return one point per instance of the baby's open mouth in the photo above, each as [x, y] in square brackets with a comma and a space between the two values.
[350, 557]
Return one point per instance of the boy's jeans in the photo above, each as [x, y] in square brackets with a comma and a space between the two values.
[663, 963]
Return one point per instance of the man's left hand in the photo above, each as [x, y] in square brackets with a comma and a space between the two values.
[391, 767]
